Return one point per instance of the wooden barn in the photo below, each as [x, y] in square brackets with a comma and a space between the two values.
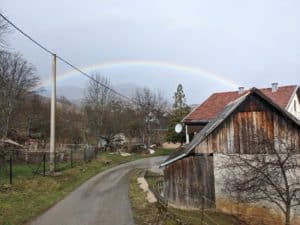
[238, 128]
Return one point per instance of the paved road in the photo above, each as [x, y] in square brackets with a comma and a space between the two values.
[102, 200]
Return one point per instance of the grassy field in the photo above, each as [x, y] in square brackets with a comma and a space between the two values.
[146, 213]
[32, 194]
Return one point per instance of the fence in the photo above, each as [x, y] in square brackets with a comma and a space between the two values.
[21, 163]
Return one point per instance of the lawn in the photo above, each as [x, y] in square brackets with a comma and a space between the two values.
[31, 194]
[162, 151]
[146, 213]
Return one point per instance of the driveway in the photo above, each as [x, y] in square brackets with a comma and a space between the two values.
[102, 200]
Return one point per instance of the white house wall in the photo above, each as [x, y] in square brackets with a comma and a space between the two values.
[291, 108]
[221, 195]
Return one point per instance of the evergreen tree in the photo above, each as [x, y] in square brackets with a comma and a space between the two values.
[179, 98]
[180, 110]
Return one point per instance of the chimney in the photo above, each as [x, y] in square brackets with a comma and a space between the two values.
[274, 87]
[241, 90]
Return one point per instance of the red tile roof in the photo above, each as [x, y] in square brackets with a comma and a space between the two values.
[210, 108]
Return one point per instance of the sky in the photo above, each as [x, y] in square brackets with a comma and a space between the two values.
[208, 46]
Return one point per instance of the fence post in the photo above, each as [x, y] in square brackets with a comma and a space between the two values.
[44, 161]
[84, 155]
[202, 209]
[71, 156]
[55, 161]
[10, 169]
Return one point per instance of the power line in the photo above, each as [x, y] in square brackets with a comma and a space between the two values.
[26, 35]
[63, 60]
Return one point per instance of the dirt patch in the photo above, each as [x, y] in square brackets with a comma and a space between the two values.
[170, 145]
[145, 187]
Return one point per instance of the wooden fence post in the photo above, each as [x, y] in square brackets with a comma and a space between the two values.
[202, 209]
[44, 166]
[10, 169]
[71, 156]
[84, 155]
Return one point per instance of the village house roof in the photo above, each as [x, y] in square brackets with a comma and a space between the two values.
[218, 120]
[210, 108]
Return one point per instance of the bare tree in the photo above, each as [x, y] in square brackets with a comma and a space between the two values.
[30, 119]
[17, 78]
[151, 108]
[96, 99]
[271, 174]
[103, 111]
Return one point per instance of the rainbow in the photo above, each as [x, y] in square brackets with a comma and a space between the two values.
[149, 63]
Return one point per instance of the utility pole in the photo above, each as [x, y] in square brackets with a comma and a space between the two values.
[187, 137]
[52, 116]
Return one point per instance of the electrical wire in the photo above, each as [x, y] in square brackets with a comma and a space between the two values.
[63, 60]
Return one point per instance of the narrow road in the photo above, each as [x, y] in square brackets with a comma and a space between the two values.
[102, 200]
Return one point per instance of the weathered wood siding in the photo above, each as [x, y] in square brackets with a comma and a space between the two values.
[188, 179]
[249, 127]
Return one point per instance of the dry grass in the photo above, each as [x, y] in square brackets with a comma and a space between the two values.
[145, 213]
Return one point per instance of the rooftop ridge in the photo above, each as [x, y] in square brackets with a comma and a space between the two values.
[263, 88]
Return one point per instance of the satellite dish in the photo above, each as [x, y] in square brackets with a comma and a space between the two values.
[178, 128]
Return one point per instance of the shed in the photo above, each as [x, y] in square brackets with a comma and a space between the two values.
[238, 128]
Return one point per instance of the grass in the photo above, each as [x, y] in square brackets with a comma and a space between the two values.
[145, 213]
[30, 194]
[162, 151]
[194, 217]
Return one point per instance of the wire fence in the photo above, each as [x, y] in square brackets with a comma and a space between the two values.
[22, 163]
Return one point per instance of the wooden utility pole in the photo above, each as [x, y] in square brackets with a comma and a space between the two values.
[52, 116]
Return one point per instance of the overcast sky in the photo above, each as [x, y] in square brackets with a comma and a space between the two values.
[248, 43]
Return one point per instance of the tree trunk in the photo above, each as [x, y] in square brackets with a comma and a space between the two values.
[288, 215]
[5, 133]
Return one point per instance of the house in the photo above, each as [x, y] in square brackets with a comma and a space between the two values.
[190, 172]
[287, 97]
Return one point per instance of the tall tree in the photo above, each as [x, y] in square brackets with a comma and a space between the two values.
[17, 78]
[180, 109]
[151, 108]
[103, 111]
[179, 98]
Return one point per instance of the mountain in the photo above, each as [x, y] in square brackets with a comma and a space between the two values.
[76, 94]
